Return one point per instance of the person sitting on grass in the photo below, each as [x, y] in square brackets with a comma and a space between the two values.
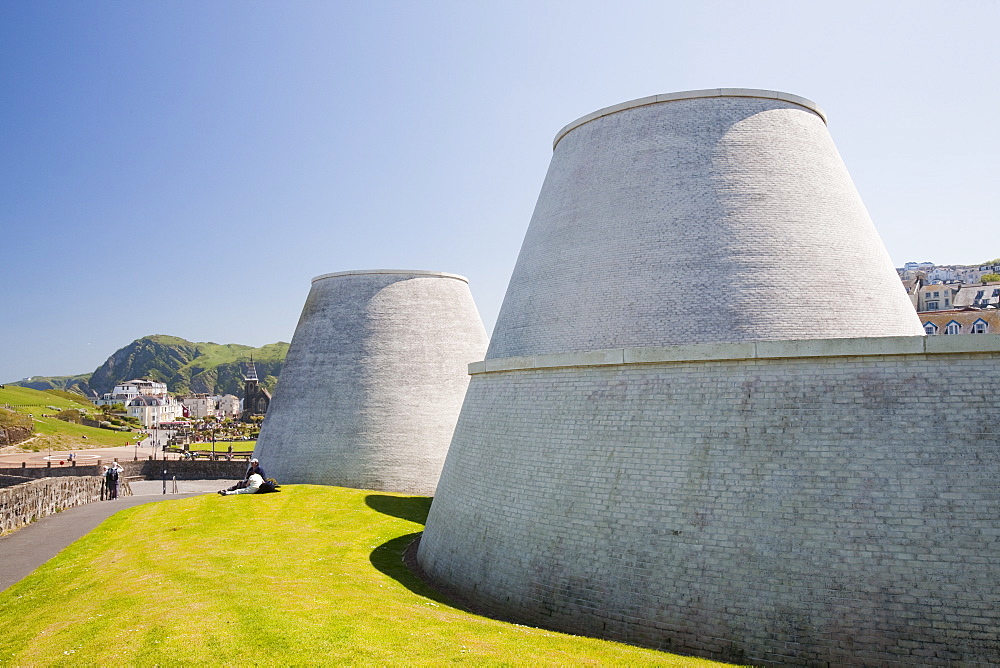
[254, 469]
[250, 486]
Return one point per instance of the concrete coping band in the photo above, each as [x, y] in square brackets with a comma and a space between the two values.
[691, 95]
[757, 350]
[414, 272]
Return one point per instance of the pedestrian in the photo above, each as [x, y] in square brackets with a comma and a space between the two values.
[112, 478]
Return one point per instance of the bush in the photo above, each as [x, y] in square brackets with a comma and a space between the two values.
[69, 415]
[12, 419]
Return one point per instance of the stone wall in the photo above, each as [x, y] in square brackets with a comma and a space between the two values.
[11, 480]
[28, 494]
[35, 499]
[802, 502]
[14, 435]
[146, 469]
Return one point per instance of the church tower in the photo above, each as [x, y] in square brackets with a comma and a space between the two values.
[256, 399]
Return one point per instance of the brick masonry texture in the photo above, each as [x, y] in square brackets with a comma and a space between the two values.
[812, 511]
[34, 499]
[704, 220]
[373, 382]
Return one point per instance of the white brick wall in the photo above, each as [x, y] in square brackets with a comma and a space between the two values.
[373, 382]
[718, 219]
[781, 509]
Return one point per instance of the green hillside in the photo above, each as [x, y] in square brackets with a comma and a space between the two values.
[185, 366]
[79, 384]
[52, 433]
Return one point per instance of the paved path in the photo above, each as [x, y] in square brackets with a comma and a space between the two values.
[28, 548]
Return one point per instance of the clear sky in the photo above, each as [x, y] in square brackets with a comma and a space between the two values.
[186, 168]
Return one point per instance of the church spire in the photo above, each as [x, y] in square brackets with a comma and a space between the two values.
[251, 371]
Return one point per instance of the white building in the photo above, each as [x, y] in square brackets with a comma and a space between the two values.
[151, 411]
[228, 406]
[130, 389]
[200, 405]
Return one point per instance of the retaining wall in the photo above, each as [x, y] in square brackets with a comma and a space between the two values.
[800, 502]
[147, 469]
[34, 499]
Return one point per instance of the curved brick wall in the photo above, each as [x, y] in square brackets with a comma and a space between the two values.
[693, 218]
[804, 502]
[373, 382]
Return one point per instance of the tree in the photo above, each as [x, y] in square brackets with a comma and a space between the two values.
[990, 278]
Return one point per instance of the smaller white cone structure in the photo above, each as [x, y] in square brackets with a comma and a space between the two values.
[374, 381]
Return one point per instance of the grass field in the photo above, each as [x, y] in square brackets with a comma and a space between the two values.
[309, 576]
[239, 447]
[55, 434]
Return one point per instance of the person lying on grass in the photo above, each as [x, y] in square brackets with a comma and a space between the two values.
[249, 486]
[254, 468]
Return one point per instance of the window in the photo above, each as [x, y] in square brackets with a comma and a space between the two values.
[953, 328]
[937, 294]
[979, 295]
[979, 327]
[932, 306]
[930, 328]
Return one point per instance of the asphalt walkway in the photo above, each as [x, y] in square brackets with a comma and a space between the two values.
[24, 550]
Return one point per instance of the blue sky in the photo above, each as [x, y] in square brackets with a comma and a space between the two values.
[186, 168]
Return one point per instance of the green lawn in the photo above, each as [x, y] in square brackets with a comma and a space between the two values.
[309, 576]
[55, 434]
[239, 447]
[58, 435]
[37, 399]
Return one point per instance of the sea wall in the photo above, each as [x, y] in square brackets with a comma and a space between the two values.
[801, 502]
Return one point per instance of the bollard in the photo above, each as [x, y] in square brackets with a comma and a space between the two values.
[73, 463]
[24, 465]
[48, 465]
[164, 481]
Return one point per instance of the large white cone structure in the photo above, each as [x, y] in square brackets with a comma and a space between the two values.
[706, 419]
[694, 218]
[374, 381]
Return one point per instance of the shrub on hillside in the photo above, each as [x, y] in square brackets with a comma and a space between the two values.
[69, 415]
[12, 419]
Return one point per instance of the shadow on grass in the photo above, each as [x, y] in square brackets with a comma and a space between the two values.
[397, 557]
[412, 508]
[388, 559]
